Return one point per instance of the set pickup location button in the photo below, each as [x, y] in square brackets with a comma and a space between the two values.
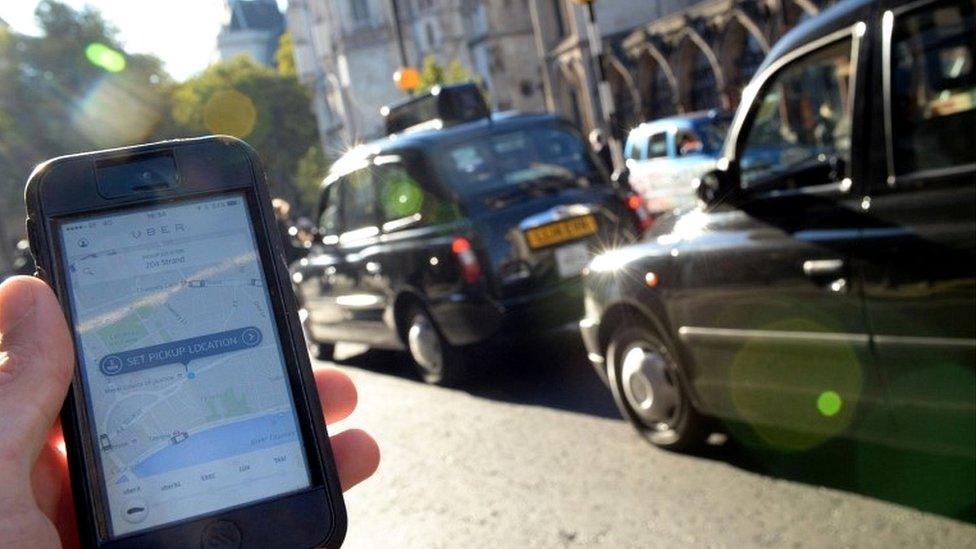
[182, 351]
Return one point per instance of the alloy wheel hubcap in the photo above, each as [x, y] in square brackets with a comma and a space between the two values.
[648, 386]
[425, 345]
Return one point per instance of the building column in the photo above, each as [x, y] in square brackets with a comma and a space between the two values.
[547, 65]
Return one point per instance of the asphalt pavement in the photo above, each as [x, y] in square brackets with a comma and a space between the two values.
[534, 454]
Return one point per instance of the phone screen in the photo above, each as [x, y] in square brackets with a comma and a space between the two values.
[181, 362]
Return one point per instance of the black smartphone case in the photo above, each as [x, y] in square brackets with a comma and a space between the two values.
[208, 165]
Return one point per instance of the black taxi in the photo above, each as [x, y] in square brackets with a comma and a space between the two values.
[826, 287]
[448, 232]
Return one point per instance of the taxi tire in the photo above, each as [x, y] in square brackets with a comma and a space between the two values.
[688, 430]
[322, 351]
[453, 367]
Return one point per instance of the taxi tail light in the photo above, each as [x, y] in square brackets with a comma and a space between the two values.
[467, 259]
[636, 204]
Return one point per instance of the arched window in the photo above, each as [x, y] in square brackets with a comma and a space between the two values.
[798, 11]
[654, 88]
[741, 53]
[752, 56]
[623, 98]
[704, 94]
[663, 104]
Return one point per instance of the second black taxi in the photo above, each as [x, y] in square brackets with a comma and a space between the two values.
[826, 287]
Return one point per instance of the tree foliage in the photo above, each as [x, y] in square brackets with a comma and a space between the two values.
[243, 98]
[434, 74]
[285, 56]
[55, 101]
[57, 97]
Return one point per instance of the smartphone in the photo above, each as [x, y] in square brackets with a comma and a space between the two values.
[193, 418]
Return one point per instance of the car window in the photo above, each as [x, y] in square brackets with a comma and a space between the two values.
[933, 87]
[515, 157]
[712, 134]
[405, 202]
[802, 123]
[633, 151]
[358, 201]
[329, 218]
[657, 145]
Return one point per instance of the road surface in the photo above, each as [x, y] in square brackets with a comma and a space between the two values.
[535, 455]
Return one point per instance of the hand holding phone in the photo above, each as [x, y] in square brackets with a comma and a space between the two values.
[189, 376]
[31, 318]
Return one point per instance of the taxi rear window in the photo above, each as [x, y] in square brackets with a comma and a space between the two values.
[515, 157]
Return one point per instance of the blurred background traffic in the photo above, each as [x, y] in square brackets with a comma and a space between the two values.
[576, 221]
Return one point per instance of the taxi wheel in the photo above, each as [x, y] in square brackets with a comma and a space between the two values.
[649, 391]
[321, 351]
[437, 361]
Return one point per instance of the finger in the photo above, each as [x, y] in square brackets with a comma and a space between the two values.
[36, 361]
[336, 391]
[356, 455]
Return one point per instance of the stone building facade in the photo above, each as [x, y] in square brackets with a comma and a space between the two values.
[252, 27]
[676, 56]
[493, 38]
[346, 53]
[562, 42]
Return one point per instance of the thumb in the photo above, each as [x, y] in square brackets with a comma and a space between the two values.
[36, 363]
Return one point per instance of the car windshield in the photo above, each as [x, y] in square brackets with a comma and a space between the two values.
[515, 157]
[713, 132]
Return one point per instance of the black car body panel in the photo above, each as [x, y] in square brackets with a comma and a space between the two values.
[842, 276]
[357, 283]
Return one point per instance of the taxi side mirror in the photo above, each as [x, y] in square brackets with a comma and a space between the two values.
[717, 186]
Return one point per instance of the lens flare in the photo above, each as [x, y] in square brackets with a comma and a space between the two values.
[829, 403]
[773, 382]
[402, 198]
[230, 112]
[104, 57]
[116, 111]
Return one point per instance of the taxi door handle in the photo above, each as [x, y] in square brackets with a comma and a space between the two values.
[823, 268]
[828, 272]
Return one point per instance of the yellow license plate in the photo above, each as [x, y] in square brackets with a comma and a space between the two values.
[561, 231]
